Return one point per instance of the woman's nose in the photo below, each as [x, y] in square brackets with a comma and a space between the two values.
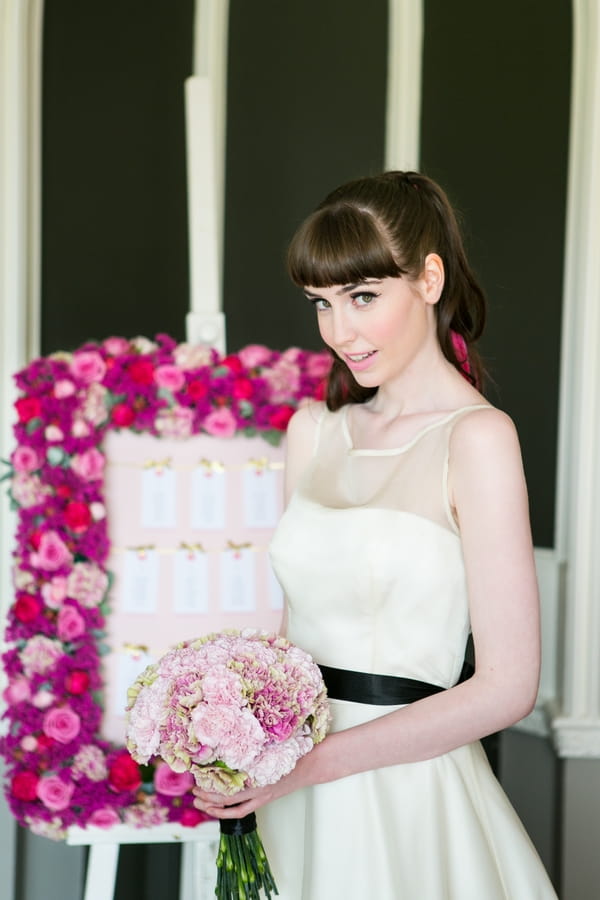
[342, 327]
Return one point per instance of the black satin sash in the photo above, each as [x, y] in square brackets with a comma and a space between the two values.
[380, 690]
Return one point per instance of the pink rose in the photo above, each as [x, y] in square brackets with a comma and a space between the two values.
[220, 423]
[88, 366]
[64, 388]
[17, 691]
[170, 377]
[104, 818]
[70, 624]
[89, 465]
[254, 355]
[170, 783]
[55, 591]
[55, 793]
[52, 552]
[25, 459]
[116, 346]
[61, 724]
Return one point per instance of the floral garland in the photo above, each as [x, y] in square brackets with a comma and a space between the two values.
[60, 772]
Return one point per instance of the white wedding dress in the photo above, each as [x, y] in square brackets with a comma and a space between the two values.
[370, 558]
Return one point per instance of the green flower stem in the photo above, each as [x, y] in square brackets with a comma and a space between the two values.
[243, 871]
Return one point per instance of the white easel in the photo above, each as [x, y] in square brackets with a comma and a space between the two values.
[205, 94]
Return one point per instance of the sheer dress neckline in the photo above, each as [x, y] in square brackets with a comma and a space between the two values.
[393, 451]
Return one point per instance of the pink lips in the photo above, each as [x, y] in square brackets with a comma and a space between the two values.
[360, 365]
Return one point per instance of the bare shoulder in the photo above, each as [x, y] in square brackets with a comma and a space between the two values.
[484, 435]
[301, 439]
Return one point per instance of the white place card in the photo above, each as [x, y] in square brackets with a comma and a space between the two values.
[130, 664]
[238, 580]
[260, 485]
[139, 589]
[159, 497]
[190, 582]
[209, 497]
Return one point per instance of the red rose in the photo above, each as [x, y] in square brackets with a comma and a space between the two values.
[24, 785]
[280, 417]
[197, 390]
[35, 538]
[233, 363]
[77, 516]
[124, 773]
[64, 491]
[141, 371]
[27, 608]
[28, 408]
[45, 741]
[122, 415]
[242, 388]
[77, 682]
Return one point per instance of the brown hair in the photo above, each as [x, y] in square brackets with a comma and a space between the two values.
[385, 226]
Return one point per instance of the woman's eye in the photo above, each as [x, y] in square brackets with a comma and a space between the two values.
[320, 304]
[363, 299]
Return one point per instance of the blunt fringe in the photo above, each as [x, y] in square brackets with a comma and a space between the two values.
[385, 226]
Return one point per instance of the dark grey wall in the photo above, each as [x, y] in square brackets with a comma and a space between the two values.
[306, 111]
[114, 234]
[495, 125]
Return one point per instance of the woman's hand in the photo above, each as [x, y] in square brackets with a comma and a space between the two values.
[236, 806]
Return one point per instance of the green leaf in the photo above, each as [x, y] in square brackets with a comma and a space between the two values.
[246, 409]
[272, 437]
[33, 425]
[55, 456]
[167, 395]
[220, 372]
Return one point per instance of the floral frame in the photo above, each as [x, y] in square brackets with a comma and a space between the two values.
[60, 772]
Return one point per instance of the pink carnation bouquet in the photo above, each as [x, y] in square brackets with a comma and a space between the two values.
[235, 710]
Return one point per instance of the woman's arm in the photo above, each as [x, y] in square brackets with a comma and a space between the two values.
[489, 494]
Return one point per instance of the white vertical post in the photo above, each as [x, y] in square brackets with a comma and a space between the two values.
[206, 94]
[577, 727]
[405, 58]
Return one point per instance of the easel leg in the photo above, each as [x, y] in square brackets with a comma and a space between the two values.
[101, 872]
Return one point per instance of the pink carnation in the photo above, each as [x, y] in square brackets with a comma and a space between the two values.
[220, 423]
[55, 793]
[277, 760]
[52, 552]
[104, 818]
[25, 459]
[87, 584]
[235, 734]
[70, 624]
[55, 591]
[170, 783]
[62, 724]
[88, 366]
[89, 465]
[170, 377]
[223, 687]
[254, 355]
[39, 654]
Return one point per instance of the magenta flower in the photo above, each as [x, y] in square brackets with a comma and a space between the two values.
[170, 783]
[55, 793]
[62, 724]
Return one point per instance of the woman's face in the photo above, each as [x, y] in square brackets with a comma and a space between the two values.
[378, 326]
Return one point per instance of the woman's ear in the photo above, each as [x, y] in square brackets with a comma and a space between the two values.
[433, 277]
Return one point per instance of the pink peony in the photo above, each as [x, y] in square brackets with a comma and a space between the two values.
[55, 591]
[62, 724]
[89, 465]
[88, 366]
[170, 783]
[52, 552]
[220, 423]
[70, 624]
[104, 818]
[254, 355]
[87, 584]
[64, 388]
[39, 654]
[55, 793]
[25, 459]
[170, 377]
